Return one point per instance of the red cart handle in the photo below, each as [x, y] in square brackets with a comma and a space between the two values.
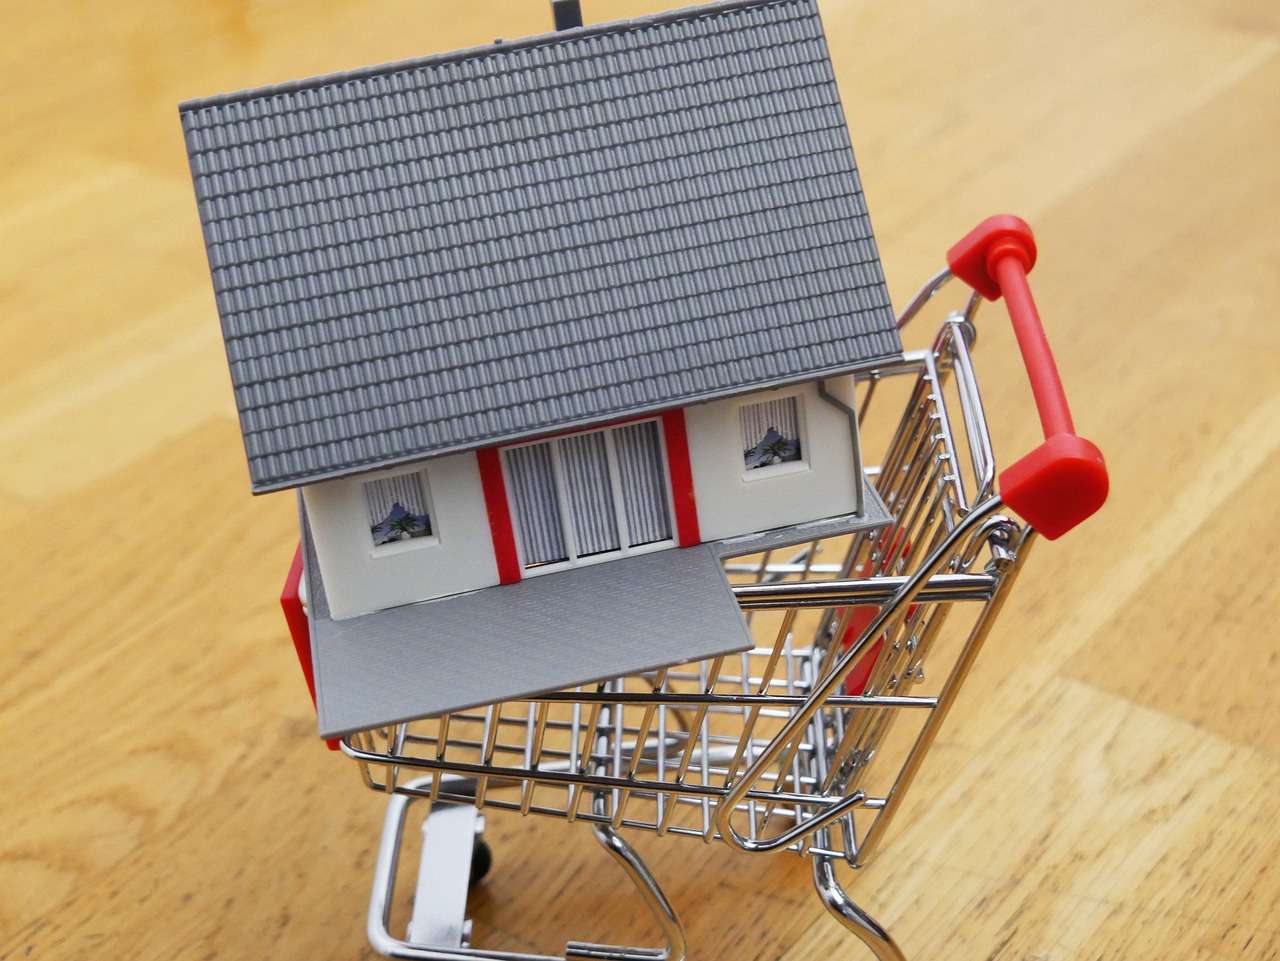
[1064, 480]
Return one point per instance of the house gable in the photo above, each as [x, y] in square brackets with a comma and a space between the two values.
[479, 247]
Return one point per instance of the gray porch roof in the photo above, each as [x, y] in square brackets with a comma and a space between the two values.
[572, 627]
[477, 247]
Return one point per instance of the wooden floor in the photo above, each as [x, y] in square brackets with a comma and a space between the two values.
[1109, 785]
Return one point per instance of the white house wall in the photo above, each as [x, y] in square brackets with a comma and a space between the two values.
[359, 578]
[732, 500]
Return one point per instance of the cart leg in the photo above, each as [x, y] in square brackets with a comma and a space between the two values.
[439, 931]
[850, 915]
[438, 928]
[657, 902]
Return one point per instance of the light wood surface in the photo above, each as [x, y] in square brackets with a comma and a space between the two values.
[1109, 785]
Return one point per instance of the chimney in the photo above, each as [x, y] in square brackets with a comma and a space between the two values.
[567, 13]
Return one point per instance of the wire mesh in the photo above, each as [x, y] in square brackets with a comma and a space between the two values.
[660, 751]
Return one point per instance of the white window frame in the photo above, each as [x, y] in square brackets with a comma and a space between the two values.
[411, 543]
[566, 511]
[788, 467]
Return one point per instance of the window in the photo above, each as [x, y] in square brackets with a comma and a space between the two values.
[589, 496]
[771, 433]
[398, 509]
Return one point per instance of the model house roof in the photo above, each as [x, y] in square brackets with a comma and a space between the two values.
[478, 247]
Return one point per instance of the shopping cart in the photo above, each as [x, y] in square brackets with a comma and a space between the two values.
[809, 742]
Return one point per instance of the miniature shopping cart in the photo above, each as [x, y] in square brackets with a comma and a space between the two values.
[809, 742]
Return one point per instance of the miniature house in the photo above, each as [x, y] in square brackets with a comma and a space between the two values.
[533, 316]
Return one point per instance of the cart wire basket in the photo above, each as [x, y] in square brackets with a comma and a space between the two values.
[809, 742]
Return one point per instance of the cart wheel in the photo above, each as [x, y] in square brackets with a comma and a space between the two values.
[481, 862]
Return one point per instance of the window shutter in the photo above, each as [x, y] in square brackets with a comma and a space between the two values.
[586, 475]
[644, 486]
[539, 524]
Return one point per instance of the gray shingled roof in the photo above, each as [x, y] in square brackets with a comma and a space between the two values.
[446, 253]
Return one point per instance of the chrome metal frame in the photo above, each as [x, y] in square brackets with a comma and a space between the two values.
[772, 749]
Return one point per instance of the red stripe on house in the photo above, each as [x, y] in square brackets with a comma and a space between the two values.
[495, 503]
[682, 496]
[295, 616]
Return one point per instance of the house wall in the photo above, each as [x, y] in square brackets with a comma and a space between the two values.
[733, 500]
[459, 556]
[360, 578]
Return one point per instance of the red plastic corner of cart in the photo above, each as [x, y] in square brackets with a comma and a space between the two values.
[972, 259]
[295, 616]
[1056, 486]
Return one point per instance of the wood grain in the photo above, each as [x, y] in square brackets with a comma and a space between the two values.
[1109, 785]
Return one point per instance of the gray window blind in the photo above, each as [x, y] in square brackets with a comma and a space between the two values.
[586, 473]
[644, 483]
[538, 521]
[770, 432]
[589, 494]
[397, 508]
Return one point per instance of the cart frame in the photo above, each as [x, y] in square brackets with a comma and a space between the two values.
[798, 745]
